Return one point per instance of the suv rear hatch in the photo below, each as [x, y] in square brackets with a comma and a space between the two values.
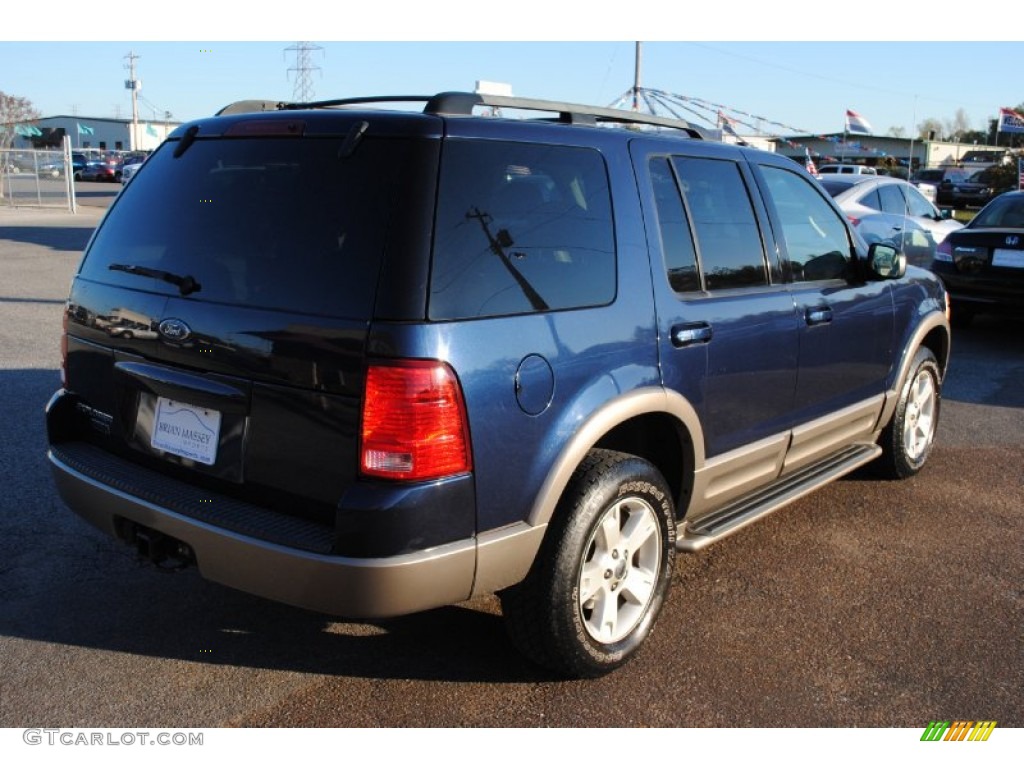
[216, 330]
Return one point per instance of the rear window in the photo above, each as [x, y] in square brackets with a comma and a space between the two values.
[521, 228]
[270, 222]
[836, 187]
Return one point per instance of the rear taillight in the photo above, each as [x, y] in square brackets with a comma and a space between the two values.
[944, 252]
[414, 422]
[853, 220]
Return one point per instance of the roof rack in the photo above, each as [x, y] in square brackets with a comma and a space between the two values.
[463, 103]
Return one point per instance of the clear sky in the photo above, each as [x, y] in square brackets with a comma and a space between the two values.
[802, 83]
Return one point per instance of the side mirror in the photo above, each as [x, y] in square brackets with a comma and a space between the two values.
[946, 213]
[885, 262]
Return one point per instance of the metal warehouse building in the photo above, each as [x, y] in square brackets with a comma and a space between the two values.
[105, 133]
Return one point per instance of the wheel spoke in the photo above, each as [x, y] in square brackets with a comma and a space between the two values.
[638, 530]
[638, 586]
[591, 581]
[609, 535]
[605, 616]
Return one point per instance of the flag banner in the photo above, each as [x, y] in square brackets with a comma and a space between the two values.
[809, 165]
[856, 124]
[85, 130]
[1010, 121]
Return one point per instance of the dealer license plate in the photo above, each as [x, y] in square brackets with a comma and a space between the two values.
[1004, 257]
[186, 430]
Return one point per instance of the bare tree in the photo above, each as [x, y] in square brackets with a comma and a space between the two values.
[927, 127]
[896, 131]
[959, 125]
[14, 111]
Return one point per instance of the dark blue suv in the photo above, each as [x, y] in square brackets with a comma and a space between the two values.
[383, 361]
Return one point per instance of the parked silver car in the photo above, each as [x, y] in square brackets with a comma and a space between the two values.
[887, 210]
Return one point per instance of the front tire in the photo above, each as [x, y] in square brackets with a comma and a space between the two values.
[908, 439]
[601, 576]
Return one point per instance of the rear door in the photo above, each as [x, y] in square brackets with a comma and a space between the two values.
[728, 332]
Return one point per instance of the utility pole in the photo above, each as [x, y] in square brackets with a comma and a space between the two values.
[134, 85]
[303, 70]
[636, 77]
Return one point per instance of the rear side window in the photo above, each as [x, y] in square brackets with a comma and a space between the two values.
[276, 223]
[727, 235]
[520, 228]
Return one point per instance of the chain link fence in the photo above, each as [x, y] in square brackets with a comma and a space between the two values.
[37, 178]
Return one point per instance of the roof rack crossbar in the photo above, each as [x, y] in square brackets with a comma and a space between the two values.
[459, 103]
[463, 103]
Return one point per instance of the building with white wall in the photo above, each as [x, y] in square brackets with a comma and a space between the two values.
[106, 133]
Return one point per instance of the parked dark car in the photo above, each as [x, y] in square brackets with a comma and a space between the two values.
[78, 163]
[982, 265]
[101, 170]
[978, 188]
[404, 358]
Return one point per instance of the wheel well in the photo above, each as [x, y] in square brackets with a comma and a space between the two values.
[664, 442]
[937, 341]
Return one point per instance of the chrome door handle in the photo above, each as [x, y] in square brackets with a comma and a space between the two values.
[691, 333]
[818, 315]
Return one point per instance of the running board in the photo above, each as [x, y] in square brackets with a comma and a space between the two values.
[717, 525]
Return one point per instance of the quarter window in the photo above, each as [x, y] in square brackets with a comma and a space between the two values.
[521, 228]
[676, 239]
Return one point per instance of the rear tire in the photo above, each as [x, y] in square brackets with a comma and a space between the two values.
[602, 573]
[908, 439]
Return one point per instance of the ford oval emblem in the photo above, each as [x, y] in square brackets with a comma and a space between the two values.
[174, 329]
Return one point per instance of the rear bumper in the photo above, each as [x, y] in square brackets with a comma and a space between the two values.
[342, 586]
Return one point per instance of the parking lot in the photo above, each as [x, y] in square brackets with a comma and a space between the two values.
[868, 603]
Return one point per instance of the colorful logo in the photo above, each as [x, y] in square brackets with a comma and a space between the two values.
[958, 730]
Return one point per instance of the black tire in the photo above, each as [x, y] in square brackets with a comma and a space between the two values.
[908, 439]
[613, 502]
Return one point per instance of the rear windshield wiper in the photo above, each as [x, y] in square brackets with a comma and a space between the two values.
[186, 283]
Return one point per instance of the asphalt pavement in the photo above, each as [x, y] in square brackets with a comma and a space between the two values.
[868, 603]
